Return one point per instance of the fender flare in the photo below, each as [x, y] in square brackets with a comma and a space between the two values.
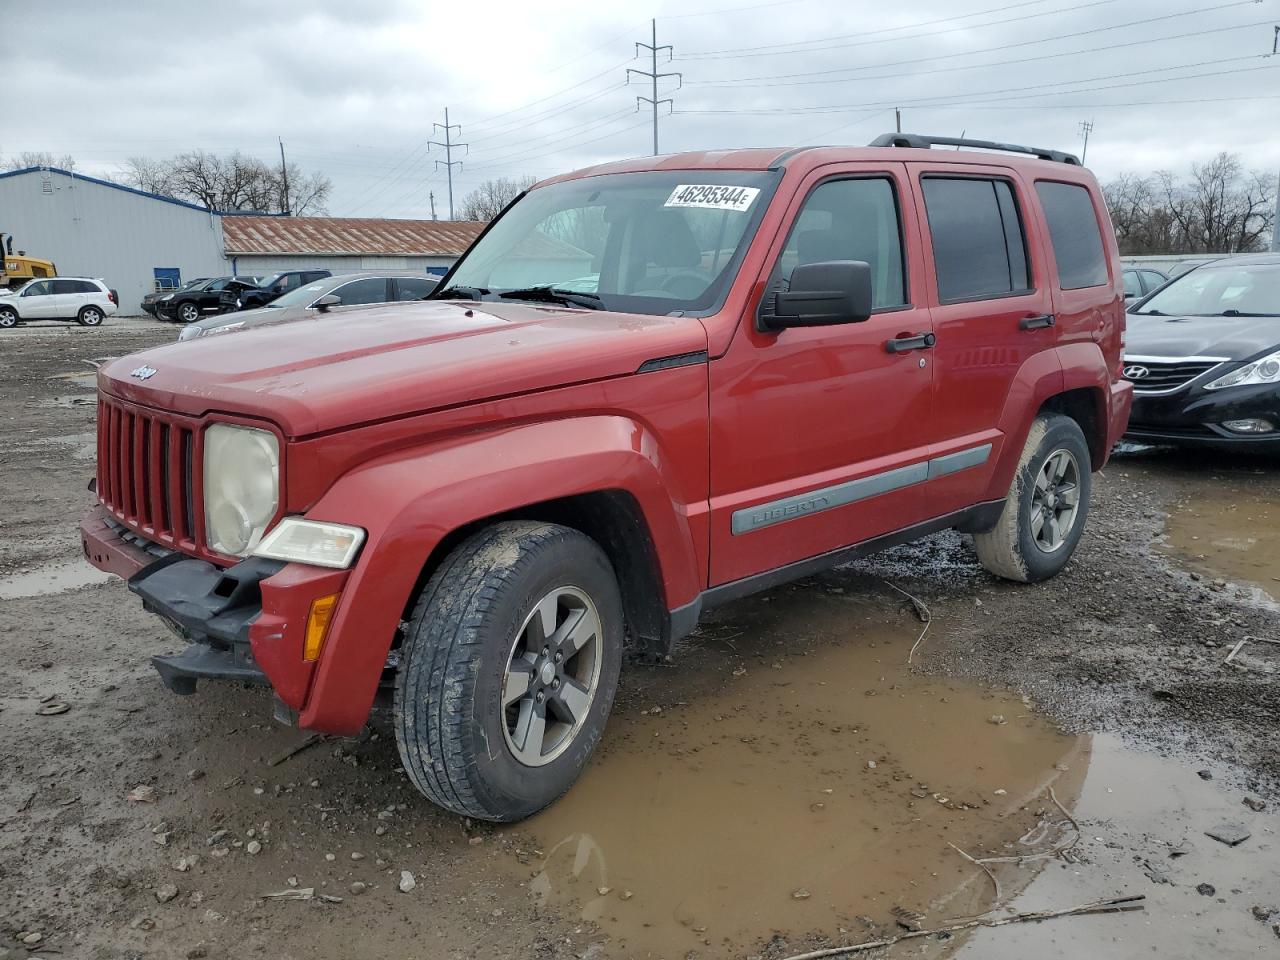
[410, 501]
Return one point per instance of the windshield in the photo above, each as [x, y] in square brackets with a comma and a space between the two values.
[302, 296]
[656, 243]
[1220, 289]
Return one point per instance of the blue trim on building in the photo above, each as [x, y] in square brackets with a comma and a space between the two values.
[141, 193]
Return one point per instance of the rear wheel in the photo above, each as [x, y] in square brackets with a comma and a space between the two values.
[89, 316]
[508, 671]
[1046, 507]
[8, 318]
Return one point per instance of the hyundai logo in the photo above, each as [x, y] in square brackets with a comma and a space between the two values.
[143, 372]
[1135, 372]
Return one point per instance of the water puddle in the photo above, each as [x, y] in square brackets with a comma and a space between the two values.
[52, 578]
[814, 788]
[1230, 533]
[1144, 819]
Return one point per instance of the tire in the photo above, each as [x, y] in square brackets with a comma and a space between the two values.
[90, 316]
[187, 312]
[1054, 469]
[473, 675]
[8, 318]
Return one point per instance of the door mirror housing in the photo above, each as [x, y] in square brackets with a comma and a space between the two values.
[327, 301]
[819, 295]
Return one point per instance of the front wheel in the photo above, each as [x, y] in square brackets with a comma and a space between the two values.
[509, 668]
[188, 312]
[1046, 507]
[8, 318]
[89, 317]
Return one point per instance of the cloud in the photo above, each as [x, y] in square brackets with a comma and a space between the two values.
[355, 89]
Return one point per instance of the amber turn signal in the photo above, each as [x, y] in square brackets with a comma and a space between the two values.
[318, 625]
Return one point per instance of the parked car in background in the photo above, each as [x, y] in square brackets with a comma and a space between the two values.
[1139, 281]
[472, 503]
[277, 284]
[332, 295]
[196, 300]
[149, 301]
[85, 300]
[1203, 354]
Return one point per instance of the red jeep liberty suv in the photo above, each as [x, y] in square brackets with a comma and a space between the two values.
[648, 388]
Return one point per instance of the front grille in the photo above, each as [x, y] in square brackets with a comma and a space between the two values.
[1163, 376]
[145, 472]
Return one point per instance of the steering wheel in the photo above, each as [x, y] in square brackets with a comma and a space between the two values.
[682, 284]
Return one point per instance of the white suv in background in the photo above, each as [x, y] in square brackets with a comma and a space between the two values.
[86, 301]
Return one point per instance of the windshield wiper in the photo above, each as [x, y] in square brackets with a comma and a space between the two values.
[1242, 313]
[459, 292]
[549, 294]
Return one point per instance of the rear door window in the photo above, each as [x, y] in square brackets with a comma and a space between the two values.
[979, 245]
[1075, 234]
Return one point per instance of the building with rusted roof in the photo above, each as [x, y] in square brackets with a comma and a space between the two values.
[138, 241]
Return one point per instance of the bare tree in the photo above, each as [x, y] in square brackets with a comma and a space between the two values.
[490, 198]
[1220, 208]
[232, 182]
[40, 158]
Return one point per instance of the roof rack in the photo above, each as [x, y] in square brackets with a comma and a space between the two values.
[924, 142]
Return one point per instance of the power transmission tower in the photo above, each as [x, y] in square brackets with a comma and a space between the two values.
[284, 176]
[1086, 128]
[449, 145]
[654, 76]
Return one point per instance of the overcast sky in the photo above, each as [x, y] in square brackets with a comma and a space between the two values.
[540, 88]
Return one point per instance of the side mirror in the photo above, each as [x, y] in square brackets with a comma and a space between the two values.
[820, 294]
[327, 301]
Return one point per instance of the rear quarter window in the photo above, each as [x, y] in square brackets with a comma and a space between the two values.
[1074, 233]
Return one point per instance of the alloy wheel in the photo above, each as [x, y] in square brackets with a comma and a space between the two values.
[1055, 501]
[552, 674]
[189, 313]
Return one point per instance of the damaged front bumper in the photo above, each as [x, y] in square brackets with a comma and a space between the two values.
[210, 606]
[245, 622]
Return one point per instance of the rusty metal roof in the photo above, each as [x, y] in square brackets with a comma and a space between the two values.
[347, 236]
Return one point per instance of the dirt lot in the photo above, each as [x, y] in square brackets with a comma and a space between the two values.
[791, 781]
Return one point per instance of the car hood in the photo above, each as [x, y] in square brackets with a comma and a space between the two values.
[389, 362]
[1231, 338]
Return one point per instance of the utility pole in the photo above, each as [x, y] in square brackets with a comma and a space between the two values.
[432, 195]
[284, 176]
[449, 145]
[1275, 220]
[654, 76]
[1086, 128]
[897, 116]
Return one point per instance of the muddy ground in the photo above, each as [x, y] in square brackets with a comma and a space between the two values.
[788, 783]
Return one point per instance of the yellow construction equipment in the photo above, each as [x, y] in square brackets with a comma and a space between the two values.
[17, 268]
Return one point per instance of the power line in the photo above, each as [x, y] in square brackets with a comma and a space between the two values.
[860, 39]
[784, 80]
[654, 76]
[448, 162]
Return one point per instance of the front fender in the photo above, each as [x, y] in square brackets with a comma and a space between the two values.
[409, 501]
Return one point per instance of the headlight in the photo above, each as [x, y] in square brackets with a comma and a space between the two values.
[1265, 370]
[167, 296]
[225, 328]
[310, 541]
[241, 486]
[190, 332]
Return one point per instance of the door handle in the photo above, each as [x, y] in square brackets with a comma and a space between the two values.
[921, 341]
[1037, 323]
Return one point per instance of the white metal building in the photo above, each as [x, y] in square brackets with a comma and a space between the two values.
[135, 241]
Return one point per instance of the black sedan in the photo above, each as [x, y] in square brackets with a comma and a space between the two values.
[1203, 354]
[194, 301]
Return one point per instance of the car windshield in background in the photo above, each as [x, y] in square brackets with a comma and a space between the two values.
[1220, 290]
[656, 243]
[302, 296]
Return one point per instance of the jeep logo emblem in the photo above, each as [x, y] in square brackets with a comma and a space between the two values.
[1135, 372]
[143, 372]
